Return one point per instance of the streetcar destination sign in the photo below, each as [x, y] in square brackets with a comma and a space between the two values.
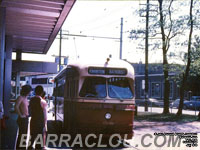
[107, 71]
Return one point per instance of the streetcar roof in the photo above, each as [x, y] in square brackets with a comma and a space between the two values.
[83, 65]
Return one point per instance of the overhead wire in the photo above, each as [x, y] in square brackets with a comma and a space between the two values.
[100, 17]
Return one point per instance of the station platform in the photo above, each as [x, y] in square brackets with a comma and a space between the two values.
[9, 133]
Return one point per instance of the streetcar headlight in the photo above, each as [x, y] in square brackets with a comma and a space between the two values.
[108, 116]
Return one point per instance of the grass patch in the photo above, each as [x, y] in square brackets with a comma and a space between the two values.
[146, 116]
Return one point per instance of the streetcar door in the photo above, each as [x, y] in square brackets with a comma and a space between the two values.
[70, 104]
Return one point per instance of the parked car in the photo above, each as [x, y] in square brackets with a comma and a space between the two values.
[194, 103]
[195, 98]
[175, 104]
[151, 102]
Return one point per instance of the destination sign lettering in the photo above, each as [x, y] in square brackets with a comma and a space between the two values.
[107, 71]
[117, 71]
[97, 71]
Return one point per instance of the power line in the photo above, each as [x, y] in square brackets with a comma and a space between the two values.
[91, 36]
[108, 23]
[107, 13]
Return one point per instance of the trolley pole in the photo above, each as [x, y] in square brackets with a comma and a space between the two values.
[146, 57]
[121, 36]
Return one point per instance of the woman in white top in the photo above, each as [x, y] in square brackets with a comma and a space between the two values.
[21, 107]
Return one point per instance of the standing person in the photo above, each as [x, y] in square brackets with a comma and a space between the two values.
[44, 106]
[21, 107]
[37, 118]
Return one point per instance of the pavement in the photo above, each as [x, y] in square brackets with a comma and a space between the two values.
[8, 135]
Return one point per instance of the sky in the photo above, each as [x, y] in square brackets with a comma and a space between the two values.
[96, 18]
[100, 18]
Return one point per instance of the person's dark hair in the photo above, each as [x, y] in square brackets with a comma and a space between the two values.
[43, 94]
[39, 90]
[26, 89]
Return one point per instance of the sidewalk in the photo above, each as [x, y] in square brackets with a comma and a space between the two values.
[8, 135]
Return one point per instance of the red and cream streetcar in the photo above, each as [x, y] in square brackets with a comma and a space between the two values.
[96, 98]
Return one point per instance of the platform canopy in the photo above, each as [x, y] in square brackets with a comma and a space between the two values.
[34, 24]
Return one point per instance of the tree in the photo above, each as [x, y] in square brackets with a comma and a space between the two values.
[195, 62]
[186, 73]
[165, 47]
[165, 27]
[173, 27]
[195, 57]
[192, 83]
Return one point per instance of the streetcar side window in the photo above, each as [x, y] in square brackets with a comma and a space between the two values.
[119, 87]
[74, 86]
[94, 87]
[72, 89]
[61, 87]
[61, 90]
[68, 89]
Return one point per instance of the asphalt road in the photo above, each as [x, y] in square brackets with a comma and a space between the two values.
[144, 138]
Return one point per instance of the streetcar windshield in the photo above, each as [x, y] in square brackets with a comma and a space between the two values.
[94, 87]
[118, 87]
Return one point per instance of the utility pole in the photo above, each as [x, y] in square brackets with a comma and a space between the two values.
[144, 12]
[147, 10]
[146, 57]
[60, 49]
[121, 36]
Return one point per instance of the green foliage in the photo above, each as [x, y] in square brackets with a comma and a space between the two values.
[195, 63]
[176, 28]
[195, 58]
[155, 117]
